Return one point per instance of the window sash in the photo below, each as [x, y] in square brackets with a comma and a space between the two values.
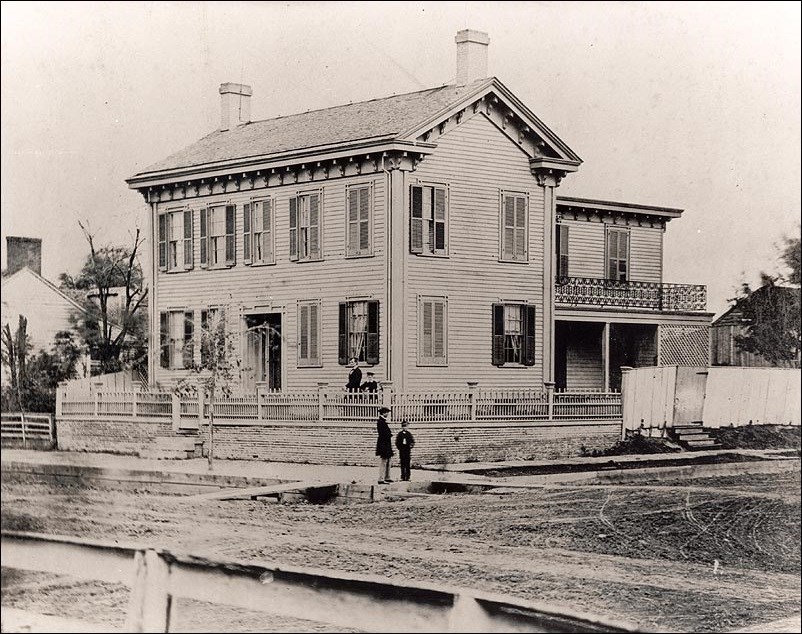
[562, 250]
[432, 333]
[358, 221]
[309, 334]
[514, 225]
[617, 254]
[262, 231]
[429, 220]
[305, 227]
[513, 331]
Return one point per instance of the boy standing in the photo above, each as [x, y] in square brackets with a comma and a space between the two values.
[384, 445]
[405, 441]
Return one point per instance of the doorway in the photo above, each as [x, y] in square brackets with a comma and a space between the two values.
[263, 337]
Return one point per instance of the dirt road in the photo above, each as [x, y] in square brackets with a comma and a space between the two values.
[647, 556]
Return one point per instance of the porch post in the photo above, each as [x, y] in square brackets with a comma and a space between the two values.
[472, 385]
[606, 355]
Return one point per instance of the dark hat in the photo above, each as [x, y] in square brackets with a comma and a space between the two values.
[384, 410]
[370, 373]
[404, 423]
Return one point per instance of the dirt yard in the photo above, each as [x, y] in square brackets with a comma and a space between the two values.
[644, 555]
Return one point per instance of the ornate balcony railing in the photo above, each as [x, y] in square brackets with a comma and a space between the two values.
[588, 291]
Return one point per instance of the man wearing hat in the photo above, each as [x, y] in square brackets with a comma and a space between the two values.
[370, 386]
[384, 445]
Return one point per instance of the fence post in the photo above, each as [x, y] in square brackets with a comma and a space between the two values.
[201, 404]
[387, 393]
[176, 411]
[60, 394]
[134, 397]
[549, 399]
[321, 396]
[626, 388]
[259, 403]
[150, 604]
[51, 430]
[472, 385]
[97, 398]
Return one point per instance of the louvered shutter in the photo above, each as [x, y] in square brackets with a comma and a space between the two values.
[188, 351]
[314, 354]
[188, 240]
[439, 331]
[294, 229]
[427, 328]
[520, 228]
[204, 236]
[373, 333]
[246, 233]
[498, 334]
[353, 222]
[529, 335]
[416, 221]
[439, 223]
[267, 230]
[612, 254]
[231, 243]
[164, 340]
[508, 229]
[303, 334]
[562, 250]
[163, 242]
[342, 352]
[623, 255]
[364, 220]
[314, 227]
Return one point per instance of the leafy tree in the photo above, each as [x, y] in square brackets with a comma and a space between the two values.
[116, 332]
[16, 348]
[771, 313]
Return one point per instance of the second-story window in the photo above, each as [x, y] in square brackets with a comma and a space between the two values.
[358, 239]
[257, 232]
[561, 244]
[305, 227]
[218, 245]
[175, 240]
[617, 254]
[428, 221]
[514, 228]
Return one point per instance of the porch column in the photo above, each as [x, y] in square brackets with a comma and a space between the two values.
[606, 355]
[151, 266]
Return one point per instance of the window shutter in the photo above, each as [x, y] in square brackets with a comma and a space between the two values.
[508, 237]
[364, 219]
[231, 244]
[427, 331]
[188, 351]
[303, 333]
[267, 230]
[163, 242]
[529, 335]
[372, 356]
[188, 241]
[204, 338]
[352, 246]
[520, 228]
[204, 236]
[164, 340]
[342, 354]
[562, 250]
[246, 233]
[294, 229]
[314, 227]
[612, 252]
[314, 354]
[498, 334]
[439, 330]
[439, 219]
[623, 255]
[416, 221]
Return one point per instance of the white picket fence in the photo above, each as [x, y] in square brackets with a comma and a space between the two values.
[473, 404]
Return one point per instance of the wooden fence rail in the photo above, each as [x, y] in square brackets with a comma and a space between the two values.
[28, 428]
[345, 600]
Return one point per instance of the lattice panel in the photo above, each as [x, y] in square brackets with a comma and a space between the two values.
[685, 345]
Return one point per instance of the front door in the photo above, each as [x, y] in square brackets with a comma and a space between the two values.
[264, 350]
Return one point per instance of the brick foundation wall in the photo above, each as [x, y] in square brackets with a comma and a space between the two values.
[434, 443]
[350, 443]
[123, 436]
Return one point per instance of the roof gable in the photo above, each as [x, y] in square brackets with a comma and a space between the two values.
[33, 276]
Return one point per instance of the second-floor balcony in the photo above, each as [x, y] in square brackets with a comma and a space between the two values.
[603, 293]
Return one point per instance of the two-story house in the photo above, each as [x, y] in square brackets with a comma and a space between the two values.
[420, 233]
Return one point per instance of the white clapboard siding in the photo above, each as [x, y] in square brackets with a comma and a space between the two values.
[585, 370]
[476, 160]
[282, 285]
[646, 254]
[585, 249]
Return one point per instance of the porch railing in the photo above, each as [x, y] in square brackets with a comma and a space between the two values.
[573, 291]
[472, 404]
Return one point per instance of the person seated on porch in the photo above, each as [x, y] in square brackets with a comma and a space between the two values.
[354, 376]
[370, 386]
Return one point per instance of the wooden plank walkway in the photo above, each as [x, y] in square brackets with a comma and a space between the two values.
[254, 492]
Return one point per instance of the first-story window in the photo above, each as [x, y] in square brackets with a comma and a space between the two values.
[212, 335]
[513, 334]
[177, 339]
[432, 331]
[309, 334]
[359, 332]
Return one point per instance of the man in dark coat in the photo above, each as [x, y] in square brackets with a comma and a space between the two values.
[354, 377]
[405, 441]
[384, 445]
[370, 386]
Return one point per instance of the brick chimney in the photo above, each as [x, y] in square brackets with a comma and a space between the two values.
[235, 105]
[22, 252]
[471, 56]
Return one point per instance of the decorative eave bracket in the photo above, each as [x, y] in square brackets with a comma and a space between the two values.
[549, 172]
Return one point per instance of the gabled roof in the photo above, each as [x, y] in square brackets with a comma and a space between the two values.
[47, 283]
[396, 118]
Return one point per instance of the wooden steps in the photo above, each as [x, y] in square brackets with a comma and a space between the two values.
[693, 437]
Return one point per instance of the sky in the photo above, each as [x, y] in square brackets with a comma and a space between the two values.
[688, 105]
